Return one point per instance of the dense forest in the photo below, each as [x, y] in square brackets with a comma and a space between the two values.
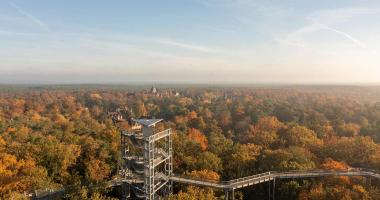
[62, 136]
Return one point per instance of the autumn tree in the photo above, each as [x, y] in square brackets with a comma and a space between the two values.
[246, 155]
[292, 158]
[301, 136]
[197, 136]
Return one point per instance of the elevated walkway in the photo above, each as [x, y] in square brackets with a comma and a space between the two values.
[240, 182]
[268, 176]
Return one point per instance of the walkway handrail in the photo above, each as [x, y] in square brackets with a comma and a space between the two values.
[268, 176]
[248, 177]
[251, 180]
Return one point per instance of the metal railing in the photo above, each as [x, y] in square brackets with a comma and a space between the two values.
[161, 134]
[242, 182]
[268, 176]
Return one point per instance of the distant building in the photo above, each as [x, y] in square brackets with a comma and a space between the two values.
[228, 95]
[121, 114]
[162, 93]
[115, 116]
[153, 90]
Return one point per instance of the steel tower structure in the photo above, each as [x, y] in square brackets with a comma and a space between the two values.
[147, 160]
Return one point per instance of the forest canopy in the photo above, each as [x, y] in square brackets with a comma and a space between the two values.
[62, 136]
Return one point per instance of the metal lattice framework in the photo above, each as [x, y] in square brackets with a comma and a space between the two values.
[147, 160]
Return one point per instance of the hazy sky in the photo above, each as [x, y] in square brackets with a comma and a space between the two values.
[250, 41]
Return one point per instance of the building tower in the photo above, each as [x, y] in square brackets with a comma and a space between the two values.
[147, 160]
[153, 90]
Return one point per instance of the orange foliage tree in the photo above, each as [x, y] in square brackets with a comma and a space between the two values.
[204, 174]
[199, 137]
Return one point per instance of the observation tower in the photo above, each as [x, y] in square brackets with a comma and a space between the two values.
[147, 160]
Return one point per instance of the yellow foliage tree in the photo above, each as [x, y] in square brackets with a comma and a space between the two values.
[97, 170]
[19, 175]
[199, 137]
[194, 193]
[204, 174]
[332, 164]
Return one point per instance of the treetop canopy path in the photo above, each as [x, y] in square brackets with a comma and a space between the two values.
[268, 176]
[231, 185]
